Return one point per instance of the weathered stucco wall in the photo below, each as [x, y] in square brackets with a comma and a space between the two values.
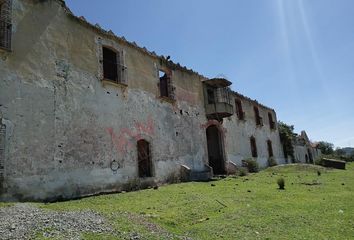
[301, 154]
[68, 126]
[66, 133]
[304, 150]
[238, 133]
[306, 154]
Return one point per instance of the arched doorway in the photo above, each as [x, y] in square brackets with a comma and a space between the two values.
[215, 150]
[144, 159]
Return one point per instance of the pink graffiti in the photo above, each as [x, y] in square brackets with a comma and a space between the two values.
[126, 138]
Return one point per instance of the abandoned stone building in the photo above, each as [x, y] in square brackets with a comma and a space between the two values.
[304, 150]
[83, 111]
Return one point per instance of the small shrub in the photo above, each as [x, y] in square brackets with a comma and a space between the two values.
[173, 178]
[144, 184]
[131, 185]
[281, 183]
[242, 172]
[251, 165]
[272, 162]
[319, 161]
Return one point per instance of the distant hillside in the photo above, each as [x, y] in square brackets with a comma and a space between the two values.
[348, 150]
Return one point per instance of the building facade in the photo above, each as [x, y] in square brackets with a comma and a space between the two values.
[304, 150]
[83, 111]
[252, 132]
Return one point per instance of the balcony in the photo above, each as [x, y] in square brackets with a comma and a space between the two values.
[218, 110]
[217, 99]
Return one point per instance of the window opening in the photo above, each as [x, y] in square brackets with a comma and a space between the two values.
[253, 147]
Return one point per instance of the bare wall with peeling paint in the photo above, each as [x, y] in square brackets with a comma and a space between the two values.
[239, 132]
[69, 134]
[68, 126]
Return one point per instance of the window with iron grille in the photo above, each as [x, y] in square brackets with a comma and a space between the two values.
[271, 122]
[253, 147]
[114, 68]
[5, 24]
[239, 111]
[167, 90]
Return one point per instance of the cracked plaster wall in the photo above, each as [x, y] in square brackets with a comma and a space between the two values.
[237, 142]
[65, 127]
[68, 125]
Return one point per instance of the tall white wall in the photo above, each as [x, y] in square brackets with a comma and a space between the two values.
[239, 132]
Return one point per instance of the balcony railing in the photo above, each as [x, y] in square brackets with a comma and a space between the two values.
[218, 103]
[222, 95]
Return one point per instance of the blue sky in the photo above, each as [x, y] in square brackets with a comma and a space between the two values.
[296, 56]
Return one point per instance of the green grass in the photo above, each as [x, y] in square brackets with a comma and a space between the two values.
[250, 207]
[3, 204]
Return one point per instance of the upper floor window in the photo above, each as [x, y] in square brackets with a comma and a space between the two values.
[114, 68]
[271, 122]
[211, 96]
[253, 147]
[5, 24]
[270, 148]
[258, 118]
[239, 111]
[165, 85]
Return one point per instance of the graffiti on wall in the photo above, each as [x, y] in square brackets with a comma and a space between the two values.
[125, 139]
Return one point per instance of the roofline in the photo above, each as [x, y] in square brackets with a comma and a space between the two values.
[252, 100]
[122, 40]
[133, 44]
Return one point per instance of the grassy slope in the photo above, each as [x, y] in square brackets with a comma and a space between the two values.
[3, 204]
[254, 207]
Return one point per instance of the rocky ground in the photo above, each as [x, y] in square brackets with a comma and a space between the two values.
[26, 221]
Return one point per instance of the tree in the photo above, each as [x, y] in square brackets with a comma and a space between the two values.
[352, 156]
[287, 136]
[339, 152]
[326, 147]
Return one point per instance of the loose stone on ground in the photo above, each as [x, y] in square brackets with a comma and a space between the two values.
[25, 221]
